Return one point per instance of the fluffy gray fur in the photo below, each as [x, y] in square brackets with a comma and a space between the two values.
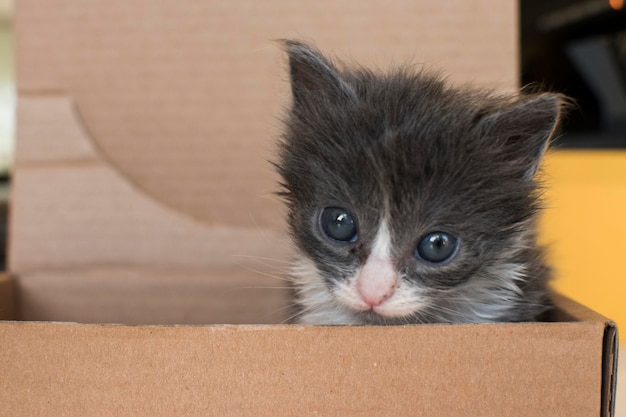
[428, 156]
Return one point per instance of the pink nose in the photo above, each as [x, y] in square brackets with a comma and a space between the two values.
[377, 281]
[377, 298]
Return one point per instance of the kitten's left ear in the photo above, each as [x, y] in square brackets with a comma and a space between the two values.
[313, 75]
[523, 131]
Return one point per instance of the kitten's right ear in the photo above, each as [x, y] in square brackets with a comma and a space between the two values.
[312, 74]
[522, 132]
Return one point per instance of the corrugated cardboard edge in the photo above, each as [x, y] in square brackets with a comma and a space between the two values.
[568, 309]
[609, 369]
[8, 298]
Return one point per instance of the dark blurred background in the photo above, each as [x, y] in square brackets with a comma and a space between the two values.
[7, 115]
[578, 47]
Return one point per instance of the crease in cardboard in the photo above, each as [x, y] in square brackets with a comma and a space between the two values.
[104, 216]
[91, 152]
[57, 136]
[107, 159]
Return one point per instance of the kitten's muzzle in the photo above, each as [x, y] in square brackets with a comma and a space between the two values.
[376, 282]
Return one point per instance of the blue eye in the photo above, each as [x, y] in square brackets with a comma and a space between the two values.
[437, 247]
[338, 224]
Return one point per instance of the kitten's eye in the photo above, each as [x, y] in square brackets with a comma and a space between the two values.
[338, 224]
[437, 247]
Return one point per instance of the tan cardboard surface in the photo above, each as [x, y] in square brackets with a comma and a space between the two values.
[51, 130]
[154, 296]
[71, 207]
[560, 369]
[570, 310]
[475, 370]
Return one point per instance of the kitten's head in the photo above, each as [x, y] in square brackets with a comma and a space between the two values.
[409, 200]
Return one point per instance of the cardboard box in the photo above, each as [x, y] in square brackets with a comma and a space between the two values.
[142, 196]
[564, 368]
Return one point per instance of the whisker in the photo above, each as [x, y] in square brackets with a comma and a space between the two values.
[281, 269]
[303, 310]
[278, 268]
[278, 311]
[270, 268]
[266, 274]
[229, 291]
[283, 308]
[264, 258]
[262, 287]
[264, 234]
[293, 316]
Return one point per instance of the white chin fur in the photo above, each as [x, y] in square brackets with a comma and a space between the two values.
[318, 306]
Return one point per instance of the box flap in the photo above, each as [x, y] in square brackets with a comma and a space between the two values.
[566, 309]
[442, 370]
[72, 208]
[172, 109]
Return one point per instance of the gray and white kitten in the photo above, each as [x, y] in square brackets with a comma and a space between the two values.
[411, 201]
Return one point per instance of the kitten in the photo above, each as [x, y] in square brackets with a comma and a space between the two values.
[411, 201]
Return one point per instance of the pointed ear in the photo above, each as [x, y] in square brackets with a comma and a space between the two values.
[522, 132]
[313, 75]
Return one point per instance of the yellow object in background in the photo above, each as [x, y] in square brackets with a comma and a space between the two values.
[585, 227]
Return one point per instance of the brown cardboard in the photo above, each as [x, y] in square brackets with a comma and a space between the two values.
[142, 196]
[72, 207]
[153, 296]
[524, 369]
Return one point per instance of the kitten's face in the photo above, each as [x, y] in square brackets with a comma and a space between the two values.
[409, 202]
